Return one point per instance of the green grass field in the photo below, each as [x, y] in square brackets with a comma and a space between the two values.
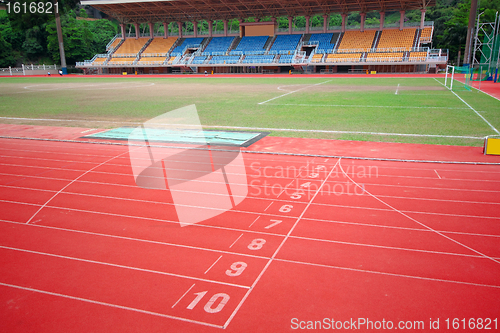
[361, 108]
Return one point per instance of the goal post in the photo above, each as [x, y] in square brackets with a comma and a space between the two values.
[458, 78]
[448, 83]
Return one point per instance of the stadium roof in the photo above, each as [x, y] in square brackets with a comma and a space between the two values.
[127, 11]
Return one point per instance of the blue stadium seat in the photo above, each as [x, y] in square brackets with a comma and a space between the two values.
[187, 42]
[324, 42]
[198, 60]
[251, 45]
[218, 46]
[258, 59]
[232, 59]
[286, 59]
[285, 44]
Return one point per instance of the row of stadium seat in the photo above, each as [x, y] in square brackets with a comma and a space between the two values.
[283, 59]
[251, 44]
[325, 44]
[218, 45]
[284, 45]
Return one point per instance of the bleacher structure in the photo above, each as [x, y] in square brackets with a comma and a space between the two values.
[352, 50]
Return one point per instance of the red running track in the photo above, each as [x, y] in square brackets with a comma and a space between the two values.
[83, 249]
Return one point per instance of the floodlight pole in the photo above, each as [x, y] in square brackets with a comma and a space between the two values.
[60, 39]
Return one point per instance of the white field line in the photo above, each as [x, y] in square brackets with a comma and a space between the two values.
[294, 129]
[370, 106]
[397, 90]
[420, 223]
[470, 107]
[291, 92]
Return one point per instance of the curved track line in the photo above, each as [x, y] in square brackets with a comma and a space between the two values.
[414, 220]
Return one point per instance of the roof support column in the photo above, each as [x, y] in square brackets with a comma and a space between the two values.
[122, 27]
[195, 29]
[422, 18]
[290, 24]
[344, 17]
[165, 29]
[307, 24]
[210, 28]
[179, 24]
[402, 19]
[325, 23]
[363, 18]
[225, 27]
[382, 19]
[151, 29]
[137, 32]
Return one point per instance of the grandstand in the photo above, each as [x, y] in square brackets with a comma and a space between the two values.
[339, 48]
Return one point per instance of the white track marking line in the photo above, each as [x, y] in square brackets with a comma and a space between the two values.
[74, 180]
[237, 239]
[143, 240]
[269, 205]
[183, 295]
[291, 92]
[209, 268]
[395, 248]
[388, 274]
[277, 250]
[437, 173]
[258, 217]
[399, 228]
[247, 159]
[470, 107]
[420, 223]
[121, 266]
[107, 304]
[397, 90]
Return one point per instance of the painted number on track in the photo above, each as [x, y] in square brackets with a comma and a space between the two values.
[236, 268]
[257, 244]
[275, 222]
[219, 299]
[286, 208]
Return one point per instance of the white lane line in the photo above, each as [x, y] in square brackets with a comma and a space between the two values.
[389, 274]
[420, 223]
[107, 304]
[121, 266]
[291, 92]
[74, 180]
